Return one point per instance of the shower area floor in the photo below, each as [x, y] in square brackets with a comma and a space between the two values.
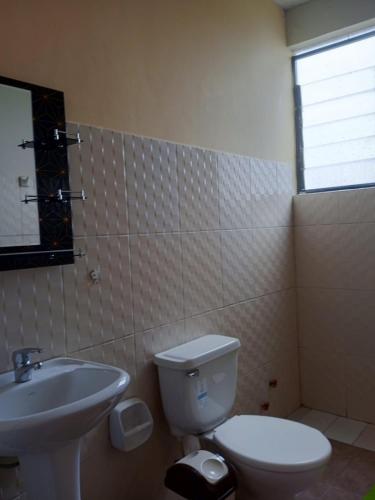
[341, 429]
[350, 474]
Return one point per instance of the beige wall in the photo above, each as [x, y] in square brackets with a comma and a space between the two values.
[188, 241]
[318, 21]
[335, 242]
[213, 73]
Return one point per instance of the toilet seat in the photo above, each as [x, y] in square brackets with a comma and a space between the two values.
[273, 444]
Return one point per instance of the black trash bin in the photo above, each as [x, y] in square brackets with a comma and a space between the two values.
[202, 475]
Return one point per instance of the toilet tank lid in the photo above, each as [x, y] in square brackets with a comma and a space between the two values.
[196, 352]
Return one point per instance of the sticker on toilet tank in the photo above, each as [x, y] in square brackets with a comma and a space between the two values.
[202, 394]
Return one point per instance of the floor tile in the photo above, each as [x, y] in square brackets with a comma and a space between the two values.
[318, 419]
[342, 455]
[359, 476]
[299, 413]
[346, 430]
[306, 495]
[366, 439]
[340, 459]
[349, 475]
[340, 494]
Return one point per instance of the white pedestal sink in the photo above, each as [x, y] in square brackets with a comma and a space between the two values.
[42, 421]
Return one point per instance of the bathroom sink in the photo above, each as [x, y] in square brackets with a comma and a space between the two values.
[42, 420]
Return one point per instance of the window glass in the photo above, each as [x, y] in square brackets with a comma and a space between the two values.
[337, 111]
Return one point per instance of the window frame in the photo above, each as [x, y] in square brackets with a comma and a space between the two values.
[298, 120]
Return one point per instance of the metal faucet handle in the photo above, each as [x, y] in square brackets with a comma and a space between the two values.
[22, 356]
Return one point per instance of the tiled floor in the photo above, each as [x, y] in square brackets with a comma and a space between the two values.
[350, 474]
[344, 430]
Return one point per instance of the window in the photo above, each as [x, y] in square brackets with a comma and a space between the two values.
[335, 115]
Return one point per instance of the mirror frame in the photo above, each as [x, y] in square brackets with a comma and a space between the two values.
[52, 174]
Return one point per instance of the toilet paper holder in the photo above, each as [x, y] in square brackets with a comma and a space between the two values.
[130, 424]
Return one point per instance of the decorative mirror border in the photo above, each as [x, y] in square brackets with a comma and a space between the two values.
[52, 175]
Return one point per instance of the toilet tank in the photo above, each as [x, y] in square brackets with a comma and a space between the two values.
[198, 383]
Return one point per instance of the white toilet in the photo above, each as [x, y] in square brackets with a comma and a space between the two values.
[275, 458]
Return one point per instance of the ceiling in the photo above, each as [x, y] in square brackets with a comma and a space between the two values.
[287, 4]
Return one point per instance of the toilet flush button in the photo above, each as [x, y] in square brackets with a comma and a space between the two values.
[214, 469]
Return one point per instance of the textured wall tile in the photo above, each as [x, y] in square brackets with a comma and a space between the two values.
[273, 259]
[316, 208]
[337, 256]
[266, 328]
[323, 381]
[97, 166]
[151, 168]
[239, 322]
[119, 353]
[10, 241]
[323, 318]
[285, 397]
[157, 280]
[358, 312]
[286, 188]
[204, 324]
[235, 191]
[157, 340]
[357, 205]
[202, 278]
[81, 177]
[11, 216]
[198, 188]
[264, 193]
[19, 222]
[32, 312]
[170, 188]
[315, 266]
[238, 265]
[360, 382]
[285, 319]
[252, 390]
[98, 312]
[274, 323]
[337, 320]
[138, 476]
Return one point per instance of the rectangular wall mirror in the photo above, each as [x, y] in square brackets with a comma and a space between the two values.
[35, 208]
[19, 222]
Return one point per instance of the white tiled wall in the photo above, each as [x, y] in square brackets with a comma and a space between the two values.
[185, 242]
[335, 254]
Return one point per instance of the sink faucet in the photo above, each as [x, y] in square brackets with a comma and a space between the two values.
[22, 363]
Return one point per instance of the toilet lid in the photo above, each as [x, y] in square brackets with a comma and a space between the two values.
[273, 444]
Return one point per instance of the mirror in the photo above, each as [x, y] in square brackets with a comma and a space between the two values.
[35, 209]
[19, 222]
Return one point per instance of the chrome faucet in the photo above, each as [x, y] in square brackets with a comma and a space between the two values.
[22, 363]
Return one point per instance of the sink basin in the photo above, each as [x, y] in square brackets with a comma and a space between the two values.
[42, 421]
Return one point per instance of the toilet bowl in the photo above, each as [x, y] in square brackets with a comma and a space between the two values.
[274, 458]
